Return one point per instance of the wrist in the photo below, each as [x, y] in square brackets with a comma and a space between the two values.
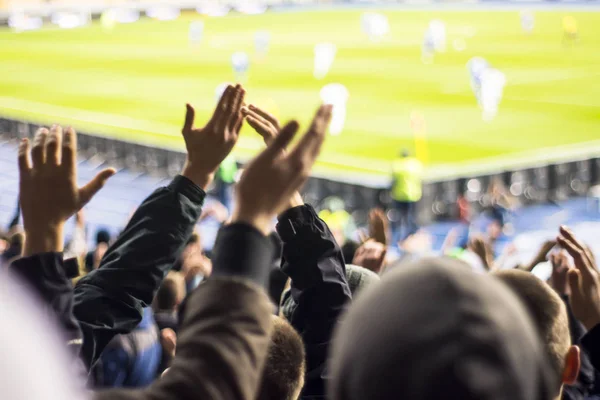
[199, 176]
[49, 239]
[262, 223]
[295, 201]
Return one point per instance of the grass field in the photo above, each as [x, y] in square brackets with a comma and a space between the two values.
[133, 81]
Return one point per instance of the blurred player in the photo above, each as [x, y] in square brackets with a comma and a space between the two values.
[376, 26]
[570, 29]
[476, 66]
[324, 57]
[492, 88]
[240, 62]
[262, 42]
[527, 21]
[337, 95]
[108, 20]
[434, 40]
[196, 32]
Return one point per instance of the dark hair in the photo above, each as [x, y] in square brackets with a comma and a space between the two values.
[283, 376]
[102, 236]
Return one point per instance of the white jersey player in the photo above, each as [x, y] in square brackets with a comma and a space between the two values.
[492, 88]
[476, 66]
[434, 40]
[196, 32]
[262, 42]
[376, 26]
[527, 21]
[337, 95]
[240, 62]
[324, 57]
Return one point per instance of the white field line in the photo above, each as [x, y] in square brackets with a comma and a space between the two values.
[376, 171]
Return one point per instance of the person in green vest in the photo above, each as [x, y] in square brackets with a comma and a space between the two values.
[225, 178]
[406, 192]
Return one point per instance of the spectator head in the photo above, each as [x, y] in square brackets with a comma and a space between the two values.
[349, 250]
[283, 376]
[359, 278]
[170, 293]
[439, 331]
[549, 314]
[102, 236]
[404, 153]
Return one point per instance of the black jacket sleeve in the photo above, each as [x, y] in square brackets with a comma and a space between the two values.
[313, 260]
[586, 378]
[45, 275]
[109, 300]
[225, 330]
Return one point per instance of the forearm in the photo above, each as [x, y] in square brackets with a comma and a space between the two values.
[313, 261]
[110, 299]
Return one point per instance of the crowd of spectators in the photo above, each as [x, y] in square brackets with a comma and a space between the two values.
[281, 308]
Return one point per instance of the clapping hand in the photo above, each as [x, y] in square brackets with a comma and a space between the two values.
[272, 178]
[49, 194]
[207, 147]
[584, 280]
[267, 126]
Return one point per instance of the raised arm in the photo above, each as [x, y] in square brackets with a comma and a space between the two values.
[314, 262]
[224, 338]
[110, 299]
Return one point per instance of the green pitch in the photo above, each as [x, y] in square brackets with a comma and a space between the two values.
[133, 81]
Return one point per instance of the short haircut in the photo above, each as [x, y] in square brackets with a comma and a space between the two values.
[102, 236]
[548, 312]
[283, 376]
[171, 292]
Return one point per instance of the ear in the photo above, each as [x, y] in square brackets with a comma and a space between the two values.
[572, 363]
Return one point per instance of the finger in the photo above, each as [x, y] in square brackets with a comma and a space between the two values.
[570, 236]
[24, 157]
[262, 129]
[236, 114]
[577, 254]
[229, 111]
[310, 145]
[69, 150]
[190, 114]
[38, 153]
[575, 281]
[88, 191]
[381, 259]
[282, 140]
[53, 145]
[219, 118]
[238, 124]
[269, 117]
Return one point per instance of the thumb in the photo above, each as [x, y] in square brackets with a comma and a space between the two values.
[189, 118]
[88, 191]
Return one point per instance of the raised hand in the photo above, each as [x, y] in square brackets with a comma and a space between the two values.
[49, 194]
[371, 255]
[270, 180]
[378, 225]
[207, 147]
[584, 280]
[560, 268]
[267, 126]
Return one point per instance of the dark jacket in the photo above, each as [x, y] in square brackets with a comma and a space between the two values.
[109, 300]
[226, 327]
[314, 262]
[585, 381]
